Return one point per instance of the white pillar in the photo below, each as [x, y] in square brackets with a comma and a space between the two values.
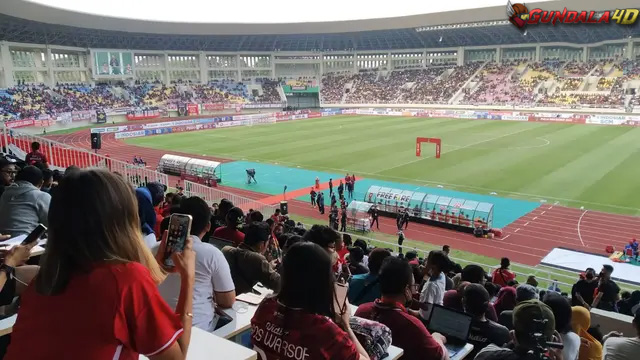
[239, 74]
[355, 63]
[585, 53]
[630, 49]
[202, 64]
[273, 65]
[165, 64]
[498, 55]
[538, 53]
[460, 56]
[7, 65]
[48, 63]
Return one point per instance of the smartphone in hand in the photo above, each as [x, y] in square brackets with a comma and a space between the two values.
[35, 235]
[179, 229]
[340, 298]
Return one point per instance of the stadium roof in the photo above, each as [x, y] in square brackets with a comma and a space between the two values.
[26, 22]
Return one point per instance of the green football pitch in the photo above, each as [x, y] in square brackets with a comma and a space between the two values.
[569, 164]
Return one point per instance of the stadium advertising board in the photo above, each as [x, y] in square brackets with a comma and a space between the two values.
[113, 129]
[130, 134]
[65, 118]
[193, 109]
[19, 123]
[112, 63]
[83, 115]
[213, 107]
[258, 106]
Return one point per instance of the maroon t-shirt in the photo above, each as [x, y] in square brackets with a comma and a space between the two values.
[282, 333]
[35, 157]
[408, 332]
[229, 234]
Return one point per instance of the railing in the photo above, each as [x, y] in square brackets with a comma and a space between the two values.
[60, 156]
[211, 195]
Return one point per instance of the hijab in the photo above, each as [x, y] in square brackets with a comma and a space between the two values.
[506, 299]
[590, 348]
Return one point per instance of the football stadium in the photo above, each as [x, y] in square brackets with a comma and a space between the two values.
[359, 181]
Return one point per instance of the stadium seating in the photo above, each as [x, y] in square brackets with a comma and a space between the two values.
[505, 83]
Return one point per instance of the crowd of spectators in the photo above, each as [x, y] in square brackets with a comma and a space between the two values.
[575, 68]
[332, 89]
[31, 101]
[152, 303]
[571, 84]
[605, 83]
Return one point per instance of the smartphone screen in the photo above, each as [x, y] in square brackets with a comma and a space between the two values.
[35, 235]
[179, 229]
[340, 298]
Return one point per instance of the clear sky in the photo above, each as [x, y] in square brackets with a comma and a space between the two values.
[264, 11]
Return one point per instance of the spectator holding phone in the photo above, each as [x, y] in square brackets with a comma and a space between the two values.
[213, 283]
[11, 268]
[95, 296]
[302, 312]
[23, 206]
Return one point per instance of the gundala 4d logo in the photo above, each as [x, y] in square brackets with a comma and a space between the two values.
[519, 15]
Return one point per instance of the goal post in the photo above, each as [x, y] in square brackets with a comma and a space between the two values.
[421, 140]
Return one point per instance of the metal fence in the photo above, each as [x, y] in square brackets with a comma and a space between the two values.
[60, 156]
[211, 195]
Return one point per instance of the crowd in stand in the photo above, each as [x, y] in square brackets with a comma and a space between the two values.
[571, 84]
[31, 101]
[496, 83]
[575, 68]
[107, 242]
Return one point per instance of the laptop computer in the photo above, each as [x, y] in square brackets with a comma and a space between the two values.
[454, 325]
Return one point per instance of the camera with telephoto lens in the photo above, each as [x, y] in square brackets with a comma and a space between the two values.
[540, 343]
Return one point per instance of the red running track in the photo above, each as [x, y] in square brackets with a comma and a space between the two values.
[526, 241]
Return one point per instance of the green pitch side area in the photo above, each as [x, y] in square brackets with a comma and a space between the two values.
[574, 165]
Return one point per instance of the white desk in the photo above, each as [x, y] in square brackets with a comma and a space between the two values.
[6, 325]
[241, 321]
[464, 352]
[394, 353]
[204, 346]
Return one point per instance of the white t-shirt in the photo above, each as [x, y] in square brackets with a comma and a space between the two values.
[212, 274]
[151, 241]
[571, 342]
[621, 348]
[432, 293]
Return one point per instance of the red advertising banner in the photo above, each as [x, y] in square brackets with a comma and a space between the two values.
[135, 117]
[19, 123]
[192, 109]
[312, 115]
[44, 123]
[213, 107]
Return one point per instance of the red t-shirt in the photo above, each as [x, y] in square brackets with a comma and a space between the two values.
[281, 333]
[502, 277]
[229, 234]
[35, 157]
[112, 312]
[408, 332]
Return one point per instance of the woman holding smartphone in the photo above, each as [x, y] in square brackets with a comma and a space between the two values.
[297, 323]
[95, 296]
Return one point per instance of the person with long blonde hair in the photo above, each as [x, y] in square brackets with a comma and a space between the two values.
[590, 348]
[95, 296]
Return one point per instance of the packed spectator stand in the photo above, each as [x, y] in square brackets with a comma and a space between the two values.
[392, 298]
[547, 83]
